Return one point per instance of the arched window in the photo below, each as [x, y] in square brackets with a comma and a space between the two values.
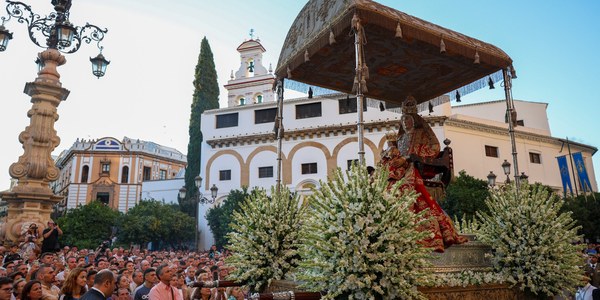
[242, 101]
[259, 98]
[84, 174]
[125, 174]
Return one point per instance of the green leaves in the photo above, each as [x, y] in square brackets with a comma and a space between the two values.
[220, 217]
[465, 196]
[206, 96]
[154, 221]
[88, 225]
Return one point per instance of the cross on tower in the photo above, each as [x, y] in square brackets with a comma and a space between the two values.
[251, 33]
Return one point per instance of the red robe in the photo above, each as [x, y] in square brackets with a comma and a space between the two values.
[422, 143]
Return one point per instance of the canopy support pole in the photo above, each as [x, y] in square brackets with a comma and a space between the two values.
[279, 132]
[512, 121]
[359, 80]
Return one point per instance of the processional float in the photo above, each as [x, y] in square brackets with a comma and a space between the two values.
[364, 48]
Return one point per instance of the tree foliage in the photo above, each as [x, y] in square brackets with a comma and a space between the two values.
[206, 96]
[219, 217]
[465, 196]
[87, 226]
[586, 212]
[154, 221]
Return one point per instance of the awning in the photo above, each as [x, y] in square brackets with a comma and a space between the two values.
[402, 53]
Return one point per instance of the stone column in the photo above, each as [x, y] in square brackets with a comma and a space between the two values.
[32, 200]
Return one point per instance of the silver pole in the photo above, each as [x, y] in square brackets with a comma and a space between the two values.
[510, 110]
[279, 124]
[358, 49]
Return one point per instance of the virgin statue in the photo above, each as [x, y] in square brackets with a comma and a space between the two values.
[416, 142]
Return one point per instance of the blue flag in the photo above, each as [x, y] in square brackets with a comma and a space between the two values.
[564, 174]
[582, 172]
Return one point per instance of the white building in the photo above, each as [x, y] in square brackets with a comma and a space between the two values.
[239, 148]
[165, 190]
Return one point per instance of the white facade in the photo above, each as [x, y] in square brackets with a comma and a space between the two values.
[166, 190]
[239, 148]
[252, 82]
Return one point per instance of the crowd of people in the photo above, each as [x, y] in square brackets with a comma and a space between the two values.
[34, 270]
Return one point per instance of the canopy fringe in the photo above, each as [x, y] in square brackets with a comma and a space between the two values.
[477, 85]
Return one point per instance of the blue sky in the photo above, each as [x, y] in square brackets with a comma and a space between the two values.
[154, 45]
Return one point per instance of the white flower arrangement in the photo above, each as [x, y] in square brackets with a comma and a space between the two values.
[532, 240]
[265, 237]
[360, 240]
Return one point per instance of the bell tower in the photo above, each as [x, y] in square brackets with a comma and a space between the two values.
[252, 83]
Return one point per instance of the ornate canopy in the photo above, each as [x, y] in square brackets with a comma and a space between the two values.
[404, 54]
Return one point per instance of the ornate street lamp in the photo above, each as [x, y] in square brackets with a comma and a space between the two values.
[55, 31]
[491, 179]
[199, 199]
[99, 64]
[506, 169]
[32, 199]
[5, 36]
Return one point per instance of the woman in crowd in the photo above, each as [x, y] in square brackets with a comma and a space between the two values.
[18, 286]
[32, 291]
[234, 293]
[75, 285]
[122, 283]
[30, 241]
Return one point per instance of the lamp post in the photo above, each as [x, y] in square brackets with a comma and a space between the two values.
[506, 169]
[199, 199]
[491, 179]
[32, 199]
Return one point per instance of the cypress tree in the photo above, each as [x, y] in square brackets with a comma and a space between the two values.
[206, 96]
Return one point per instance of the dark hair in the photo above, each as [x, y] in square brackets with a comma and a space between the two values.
[15, 274]
[370, 170]
[46, 254]
[91, 273]
[27, 289]
[148, 271]
[5, 280]
[104, 276]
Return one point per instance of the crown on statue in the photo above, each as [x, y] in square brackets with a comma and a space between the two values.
[391, 136]
[409, 106]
